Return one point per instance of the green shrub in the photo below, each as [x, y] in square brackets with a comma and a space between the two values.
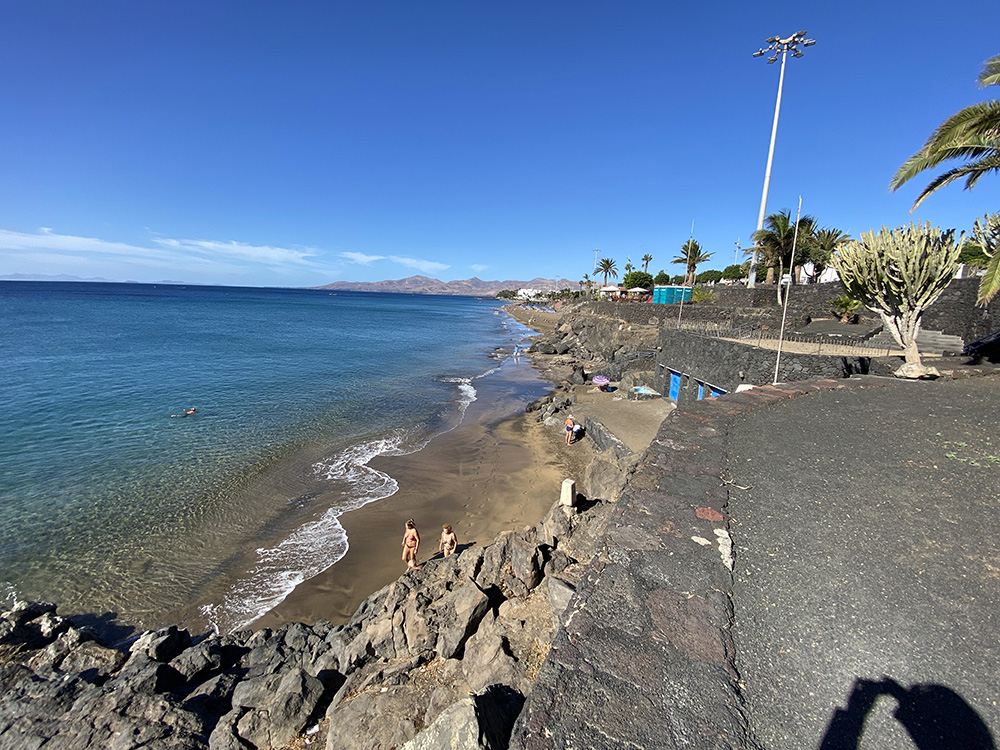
[701, 294]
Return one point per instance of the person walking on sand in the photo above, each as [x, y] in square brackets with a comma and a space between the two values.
[411, 543]
[449, 542]
[570, 424]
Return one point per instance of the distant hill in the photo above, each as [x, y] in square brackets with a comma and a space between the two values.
[469, 287]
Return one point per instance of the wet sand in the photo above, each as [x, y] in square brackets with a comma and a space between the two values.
[499, 470]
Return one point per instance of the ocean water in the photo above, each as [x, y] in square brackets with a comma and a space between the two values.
[109, 504]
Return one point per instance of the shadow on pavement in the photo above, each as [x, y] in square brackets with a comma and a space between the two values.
[936, 717]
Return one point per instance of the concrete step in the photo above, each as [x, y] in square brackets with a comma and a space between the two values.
[928, 342]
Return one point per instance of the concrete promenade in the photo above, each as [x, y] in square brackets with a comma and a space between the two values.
[846, 598]
[868, 567]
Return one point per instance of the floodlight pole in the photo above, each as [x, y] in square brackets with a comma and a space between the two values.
[788, 292]
[782, 46]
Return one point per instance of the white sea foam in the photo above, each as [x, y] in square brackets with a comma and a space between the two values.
[321, 543]
[466, 393]
[314, 546]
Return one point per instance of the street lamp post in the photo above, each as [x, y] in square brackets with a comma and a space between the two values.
[776, 46]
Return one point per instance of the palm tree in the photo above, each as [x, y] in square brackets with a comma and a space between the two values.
[608, 268]
[587, 282]
[691, 255]
[629, 268]
[776, 239]
[972, 134]
[824, 245]
[646, 260]
[986, 234]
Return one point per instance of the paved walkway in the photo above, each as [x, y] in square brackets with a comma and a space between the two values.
[861, 607]
[867, 577]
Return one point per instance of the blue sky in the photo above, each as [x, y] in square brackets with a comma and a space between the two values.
[300, 143]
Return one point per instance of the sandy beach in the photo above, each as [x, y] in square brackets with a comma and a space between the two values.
[499, 470]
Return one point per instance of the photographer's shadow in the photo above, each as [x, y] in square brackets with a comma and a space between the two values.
[936, 717]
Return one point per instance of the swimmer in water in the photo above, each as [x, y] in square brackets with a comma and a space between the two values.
[185, 413]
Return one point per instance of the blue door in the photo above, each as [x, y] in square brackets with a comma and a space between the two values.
[675, 385]
[714, 392]
[701, 390]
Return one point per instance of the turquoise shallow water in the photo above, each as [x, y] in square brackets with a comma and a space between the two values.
[109, 504]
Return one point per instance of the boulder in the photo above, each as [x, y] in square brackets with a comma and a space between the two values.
[198, 660]
[525, 561]
[488, 660]
[483, 720]
[456, 728]
[280, 707]
[162, 645]
[92, 661]
[560, 592]
[459, 613]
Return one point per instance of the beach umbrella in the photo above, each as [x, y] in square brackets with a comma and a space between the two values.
[638, 289]
[600, 380]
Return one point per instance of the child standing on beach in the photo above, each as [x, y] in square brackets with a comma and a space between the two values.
[448, 540]
[411, 543]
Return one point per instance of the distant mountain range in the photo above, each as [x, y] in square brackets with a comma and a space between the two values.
[65, 277]
[469, 287]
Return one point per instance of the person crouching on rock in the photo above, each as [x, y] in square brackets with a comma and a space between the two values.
[411, 543]
[448, 540]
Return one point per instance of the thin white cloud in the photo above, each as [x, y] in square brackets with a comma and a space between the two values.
[425, 266]
[478, 267]
[361, 258]
[419, 264]
[45, 240]
[215, 260]
[241, 250]
[205, 258]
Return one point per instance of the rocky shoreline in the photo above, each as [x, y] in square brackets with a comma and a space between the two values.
[448, 650]
[445, 656]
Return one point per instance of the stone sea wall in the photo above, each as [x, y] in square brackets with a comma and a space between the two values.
[954, 313]
[727, 365]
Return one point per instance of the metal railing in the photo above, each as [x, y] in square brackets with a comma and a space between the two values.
[762, 338]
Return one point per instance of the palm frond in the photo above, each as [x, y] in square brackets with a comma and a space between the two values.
[989, 284]
[972, 134]
[983, 166]
[974, 121]
[991, 73]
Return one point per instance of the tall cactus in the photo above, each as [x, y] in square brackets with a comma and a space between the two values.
[899, 273]
[987, 236]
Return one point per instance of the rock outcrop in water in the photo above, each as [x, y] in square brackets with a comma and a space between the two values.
[443, 657]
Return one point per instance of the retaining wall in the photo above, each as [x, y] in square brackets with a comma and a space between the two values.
[726, 364]
[954, 313]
